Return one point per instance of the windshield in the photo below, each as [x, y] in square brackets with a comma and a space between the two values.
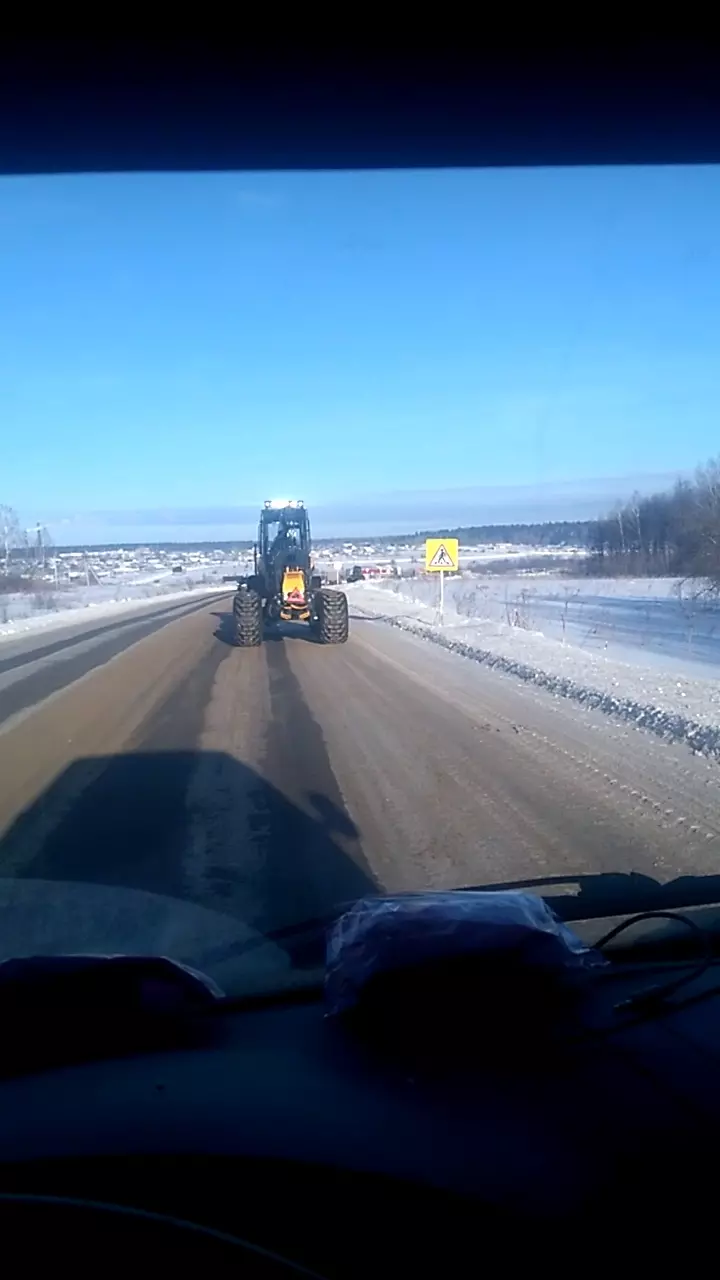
[493, 396]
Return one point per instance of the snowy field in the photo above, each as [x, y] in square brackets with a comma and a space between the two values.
[664, 622]
[535, 636]
[50, 607]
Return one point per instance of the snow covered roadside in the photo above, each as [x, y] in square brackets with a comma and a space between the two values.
[664, 622]
[84, 610]
[678, 708]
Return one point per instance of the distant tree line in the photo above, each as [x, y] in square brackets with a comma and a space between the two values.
[674, 533]
[548, 533]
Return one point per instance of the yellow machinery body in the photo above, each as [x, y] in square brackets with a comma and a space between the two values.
[294, 606]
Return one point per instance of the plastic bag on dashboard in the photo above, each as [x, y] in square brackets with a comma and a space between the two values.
[505, 932]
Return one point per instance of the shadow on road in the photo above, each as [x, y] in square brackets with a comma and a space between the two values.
[290, 631]
[225, 631]
[238, 864]
[384, 617]
[197, 827]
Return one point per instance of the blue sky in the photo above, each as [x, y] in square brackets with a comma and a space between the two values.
[396, 348]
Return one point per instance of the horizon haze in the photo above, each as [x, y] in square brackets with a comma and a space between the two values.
[379, 514]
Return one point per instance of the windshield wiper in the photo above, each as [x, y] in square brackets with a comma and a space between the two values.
[614, 893]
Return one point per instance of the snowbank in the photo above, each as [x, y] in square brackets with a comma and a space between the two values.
[81, 608]
[674, 706]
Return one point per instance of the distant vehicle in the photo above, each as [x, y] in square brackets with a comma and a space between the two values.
[178, 568]
[355, 574]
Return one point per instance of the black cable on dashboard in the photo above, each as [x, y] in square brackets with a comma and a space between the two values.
[658, 993]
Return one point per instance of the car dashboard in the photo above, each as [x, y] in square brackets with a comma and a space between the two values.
[334, 1151]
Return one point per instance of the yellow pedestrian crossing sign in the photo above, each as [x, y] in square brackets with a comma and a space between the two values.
[441, 555]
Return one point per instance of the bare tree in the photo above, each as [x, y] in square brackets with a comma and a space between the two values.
[45, 543]
[621, 526]
[636, 509]
[571, 594]
[10, 533]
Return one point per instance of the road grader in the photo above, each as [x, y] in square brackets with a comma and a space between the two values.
[284, 586]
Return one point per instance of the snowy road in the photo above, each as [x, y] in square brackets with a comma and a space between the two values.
[36, 666]
[271, 785]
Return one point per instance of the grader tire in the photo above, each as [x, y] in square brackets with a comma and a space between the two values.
[248, 615]
[333, 620]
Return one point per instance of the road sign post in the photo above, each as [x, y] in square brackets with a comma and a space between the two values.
[441, 556]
